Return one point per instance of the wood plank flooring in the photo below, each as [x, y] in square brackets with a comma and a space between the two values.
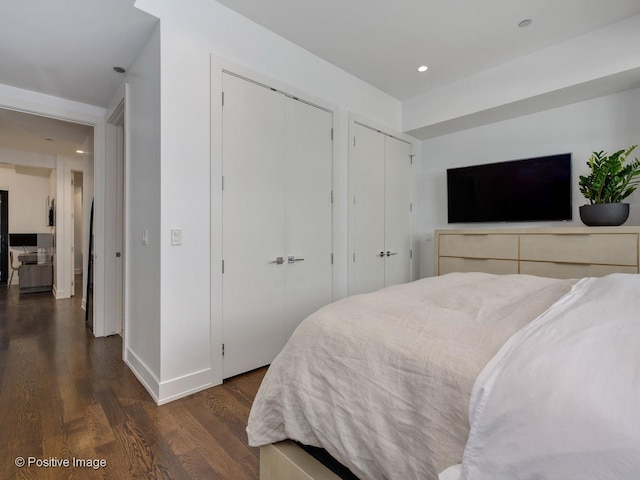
[66, 396]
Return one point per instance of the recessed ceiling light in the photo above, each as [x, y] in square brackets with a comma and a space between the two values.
[119, 69]
[423, 68]
[525, 23]
[79, 151]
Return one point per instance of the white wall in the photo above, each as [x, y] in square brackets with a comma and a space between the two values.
[143, 202]
[27, 201]
[607, 123]
[63, 273]
[190, 33]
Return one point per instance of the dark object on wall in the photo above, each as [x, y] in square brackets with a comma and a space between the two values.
[23, 239]
[4, 236]
[534, 189]
[604, 214]
[88, 316]
[51, 212]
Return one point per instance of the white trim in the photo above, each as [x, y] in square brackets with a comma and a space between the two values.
[144, 374]
[171, 390]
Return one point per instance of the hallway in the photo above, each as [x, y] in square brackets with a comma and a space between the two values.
[68, 397]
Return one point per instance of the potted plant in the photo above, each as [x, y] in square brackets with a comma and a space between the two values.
[612, 179]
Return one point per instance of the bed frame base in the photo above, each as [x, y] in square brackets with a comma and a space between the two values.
[287, 461]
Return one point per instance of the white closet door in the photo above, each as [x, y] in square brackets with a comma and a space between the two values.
[308, 211]
[366, 188]
[253, 225]
[277, 167]
[397, 226]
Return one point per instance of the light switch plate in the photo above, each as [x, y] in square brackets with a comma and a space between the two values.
[145, 237]
[176, 236]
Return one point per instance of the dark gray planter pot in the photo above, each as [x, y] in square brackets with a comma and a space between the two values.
[604, 214]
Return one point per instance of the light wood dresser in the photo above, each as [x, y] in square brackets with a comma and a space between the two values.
[559, 252]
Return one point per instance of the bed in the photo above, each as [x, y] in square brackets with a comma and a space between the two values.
[466, 376]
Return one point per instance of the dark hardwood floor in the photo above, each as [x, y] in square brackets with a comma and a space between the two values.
[68, 397]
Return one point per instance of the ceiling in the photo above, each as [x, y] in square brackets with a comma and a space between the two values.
[32, 133]
[68, 48]
[383, 42]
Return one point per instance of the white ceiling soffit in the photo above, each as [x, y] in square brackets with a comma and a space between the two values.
[33, 133]
[68, 48]
[384, 42]
[576, 93]
[37, 171]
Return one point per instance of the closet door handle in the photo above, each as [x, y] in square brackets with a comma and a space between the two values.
[391, 253]
[278, 261]
[381, 254]
[292, 259]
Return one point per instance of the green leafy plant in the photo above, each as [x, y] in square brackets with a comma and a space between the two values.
[612, 179]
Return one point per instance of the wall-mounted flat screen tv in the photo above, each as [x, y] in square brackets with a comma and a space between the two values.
[23, 239]
[529, 190]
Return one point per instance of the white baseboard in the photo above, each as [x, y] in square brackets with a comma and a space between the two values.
[165, 392]
[184, 386]
[148, 379]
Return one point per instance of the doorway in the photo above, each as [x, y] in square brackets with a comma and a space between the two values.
[39, 152]
[116, 159]
[78, 250]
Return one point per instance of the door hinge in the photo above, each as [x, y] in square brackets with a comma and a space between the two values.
[332, 134]
[223, 349]
[354, 257]
[354, 141]
[331, 196]
[223, 182]
[222, 266]
[223, 99]
[411, 207]
[411, 253]
[332, 259]
[411, 159]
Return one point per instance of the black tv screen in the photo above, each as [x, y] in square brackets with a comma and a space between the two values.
[534, 189]
[23, 239]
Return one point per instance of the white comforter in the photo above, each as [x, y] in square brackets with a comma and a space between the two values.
[382, 381]
[561, 399]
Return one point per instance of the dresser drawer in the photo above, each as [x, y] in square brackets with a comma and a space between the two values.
[458, 264]
[604, 249]
[571, 270]
[479, 246]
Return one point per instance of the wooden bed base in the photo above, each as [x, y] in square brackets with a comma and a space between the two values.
[287, 461]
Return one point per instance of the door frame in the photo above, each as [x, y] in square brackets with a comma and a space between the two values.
[218, 66]
[116, 151]
[13, 98]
